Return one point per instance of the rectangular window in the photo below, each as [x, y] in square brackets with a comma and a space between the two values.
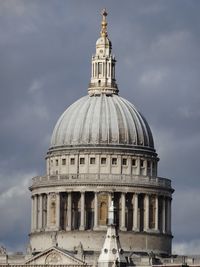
[124, 161]
[82, 160]
[114, 161]
[133, 162]
[141, 163]
[72, 161]
[103, 161]
[56, 162]
[148, 164]
[92, 160]
[63, 161]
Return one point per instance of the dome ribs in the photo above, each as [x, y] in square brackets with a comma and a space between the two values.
[103, 129]
[81, 120]
[122, 122]
[135, 121]
[87, 134]
[69, 132]
[95, 121]
[113, 122]
[102, 120]
[142, 126]
[108, 130]
[131, 136]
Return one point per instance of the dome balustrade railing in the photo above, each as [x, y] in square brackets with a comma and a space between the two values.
[102, 178]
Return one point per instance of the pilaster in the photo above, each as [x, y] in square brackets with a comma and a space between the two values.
[146, 213]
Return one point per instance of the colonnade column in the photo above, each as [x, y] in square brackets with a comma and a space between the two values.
[146, 214]
[135, 213]
[35, 212]
[168, 215]
[95, 210]
[156, 212]
[69, 211]
[32, 213]
[123, 212]
[82, 225]
[109, 204]
[109, 199]
[163, 216]
[58, 210]
[40, 213]
[48, 210]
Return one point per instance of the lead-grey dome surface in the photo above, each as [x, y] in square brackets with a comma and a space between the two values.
[102, 120]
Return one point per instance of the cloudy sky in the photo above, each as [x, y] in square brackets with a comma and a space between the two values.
[45, 52]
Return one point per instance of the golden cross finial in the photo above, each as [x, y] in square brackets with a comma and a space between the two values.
[104, 23]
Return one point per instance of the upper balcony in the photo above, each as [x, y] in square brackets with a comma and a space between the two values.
[102, 179]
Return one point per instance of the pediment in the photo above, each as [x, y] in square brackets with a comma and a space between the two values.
[54, 256]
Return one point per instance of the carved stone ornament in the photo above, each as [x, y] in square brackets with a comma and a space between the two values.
[29, 249]
[53, 258]
[80, 251]
[53, 196]
[54, 239]
[2, 250]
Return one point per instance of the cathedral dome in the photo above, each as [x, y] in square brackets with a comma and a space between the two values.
[102, 120]
[101, 152]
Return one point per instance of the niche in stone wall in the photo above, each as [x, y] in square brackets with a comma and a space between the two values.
[63, 210]
[141, 212]
[117, 205]
[129, 211]
[89, 210]
[76, 210]
[103, 208]
[152, 207]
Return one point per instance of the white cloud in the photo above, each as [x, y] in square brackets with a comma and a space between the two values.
[18, 190]
[188, 112]
[183, 248]
[172, 42]
[35, 86]
[153, 78]
[15, 210]
[16, 7]
[153, 8]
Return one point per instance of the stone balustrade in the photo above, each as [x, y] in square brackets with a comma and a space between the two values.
[102, 178]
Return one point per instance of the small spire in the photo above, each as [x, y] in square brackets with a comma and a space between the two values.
[104, 23]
